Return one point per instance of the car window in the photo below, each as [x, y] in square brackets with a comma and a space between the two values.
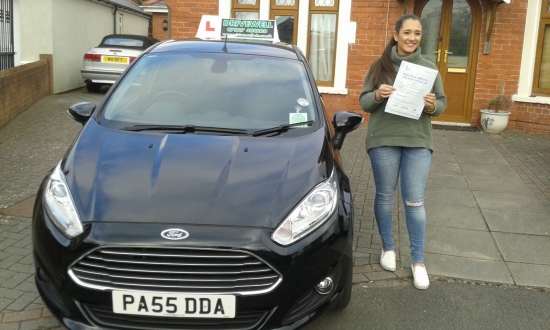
[215, 90]
[123, 42]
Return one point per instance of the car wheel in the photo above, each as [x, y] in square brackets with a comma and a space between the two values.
[346, 291]
[93, 88]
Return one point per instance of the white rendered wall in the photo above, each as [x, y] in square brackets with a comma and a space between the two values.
[36, 29]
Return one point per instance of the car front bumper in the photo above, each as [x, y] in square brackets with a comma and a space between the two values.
[290, 304]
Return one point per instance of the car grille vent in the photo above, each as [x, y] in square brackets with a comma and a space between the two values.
[175, 270]
[105, 318]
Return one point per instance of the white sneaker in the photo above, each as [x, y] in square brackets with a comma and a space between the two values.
[421, 279]
[387, 260]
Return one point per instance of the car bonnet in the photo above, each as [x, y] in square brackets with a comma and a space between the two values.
[120, 176]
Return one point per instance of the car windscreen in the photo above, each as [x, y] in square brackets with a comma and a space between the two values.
[213, 90]
[124, 42]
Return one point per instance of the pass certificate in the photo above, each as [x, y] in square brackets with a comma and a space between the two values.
[413, 81]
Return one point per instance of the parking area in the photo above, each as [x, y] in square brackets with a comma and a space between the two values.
[480, 227]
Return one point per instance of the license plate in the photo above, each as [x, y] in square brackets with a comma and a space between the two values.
[114, 59]
[175, 305]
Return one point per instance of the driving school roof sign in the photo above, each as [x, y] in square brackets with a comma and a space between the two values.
[217, 28]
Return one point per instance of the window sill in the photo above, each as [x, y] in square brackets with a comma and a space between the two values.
[531, 99]
[332, 90]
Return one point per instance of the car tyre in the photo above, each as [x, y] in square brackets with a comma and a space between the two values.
[93, 88]
[346, 291]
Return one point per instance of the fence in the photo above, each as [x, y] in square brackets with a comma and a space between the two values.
[7, 52]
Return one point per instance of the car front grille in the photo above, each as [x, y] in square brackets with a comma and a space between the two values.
[104, 317]
[201, 271]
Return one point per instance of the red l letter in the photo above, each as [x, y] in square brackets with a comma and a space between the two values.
[208, 28]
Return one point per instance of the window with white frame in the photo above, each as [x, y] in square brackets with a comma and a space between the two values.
[532, 58]
[541, 78]
[246, 9]
[313, 25]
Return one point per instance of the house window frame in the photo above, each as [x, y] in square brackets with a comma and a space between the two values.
[287, 12]
[528, 58]
[316, 10]
[346, 33]
[275, 6]
[236, 7]
[543, 25]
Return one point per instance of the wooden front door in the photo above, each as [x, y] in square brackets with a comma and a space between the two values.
[450, 35]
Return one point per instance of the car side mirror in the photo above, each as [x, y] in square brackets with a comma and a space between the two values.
[344, 122]
[81, 112]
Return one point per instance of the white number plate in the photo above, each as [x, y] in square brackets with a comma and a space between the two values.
[176, 305]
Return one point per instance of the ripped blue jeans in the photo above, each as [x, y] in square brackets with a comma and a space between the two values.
[412, 165]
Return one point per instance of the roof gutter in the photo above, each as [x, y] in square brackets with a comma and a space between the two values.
[123, 7]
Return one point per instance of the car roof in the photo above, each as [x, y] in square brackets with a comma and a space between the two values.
[282, 50]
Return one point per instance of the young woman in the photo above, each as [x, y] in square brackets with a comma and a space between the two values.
[399, 146]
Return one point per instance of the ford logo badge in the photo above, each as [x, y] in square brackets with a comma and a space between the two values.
[174, 234]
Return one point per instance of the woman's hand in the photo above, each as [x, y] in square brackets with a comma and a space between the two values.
[384, 92]
[429, 103]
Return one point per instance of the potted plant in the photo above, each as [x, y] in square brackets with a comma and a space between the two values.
[494, 119]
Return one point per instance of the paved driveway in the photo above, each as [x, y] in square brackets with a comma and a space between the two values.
[480, 228]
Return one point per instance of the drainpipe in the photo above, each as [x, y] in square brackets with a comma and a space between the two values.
[169, 22]
[114, 19]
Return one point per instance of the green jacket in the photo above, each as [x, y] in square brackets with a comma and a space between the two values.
[386, 129]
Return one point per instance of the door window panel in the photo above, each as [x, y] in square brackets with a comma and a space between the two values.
[431, 23]
[461, 31]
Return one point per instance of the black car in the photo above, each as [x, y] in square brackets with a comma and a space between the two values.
[206, 191]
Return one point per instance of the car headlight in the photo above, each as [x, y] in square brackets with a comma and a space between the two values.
[60, 205]
[311, 213]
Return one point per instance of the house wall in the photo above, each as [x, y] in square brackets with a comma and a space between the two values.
[74, 36]
[501, 65]
[186, 15]
[134, 24]
[36, 29]
[157, 31]
[67, 29]
[22, 86]
[375, 22]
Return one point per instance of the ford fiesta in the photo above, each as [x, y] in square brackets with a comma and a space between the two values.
[206, 191]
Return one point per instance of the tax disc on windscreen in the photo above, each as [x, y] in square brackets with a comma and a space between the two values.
[303, 102]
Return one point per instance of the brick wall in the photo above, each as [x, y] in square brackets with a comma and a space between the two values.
[186, 15]
[157, 31]
[23, 85]
[372, 34]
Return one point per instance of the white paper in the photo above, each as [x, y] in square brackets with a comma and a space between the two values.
[412, 83]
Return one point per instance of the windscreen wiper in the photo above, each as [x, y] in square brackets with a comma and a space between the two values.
[281, 128]
[185, 129]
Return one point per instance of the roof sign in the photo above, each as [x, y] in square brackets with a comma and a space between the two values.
[217, 28]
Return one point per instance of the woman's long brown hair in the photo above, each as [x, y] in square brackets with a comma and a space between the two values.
[381, 70]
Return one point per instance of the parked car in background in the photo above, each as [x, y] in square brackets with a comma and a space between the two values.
[102, 65]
